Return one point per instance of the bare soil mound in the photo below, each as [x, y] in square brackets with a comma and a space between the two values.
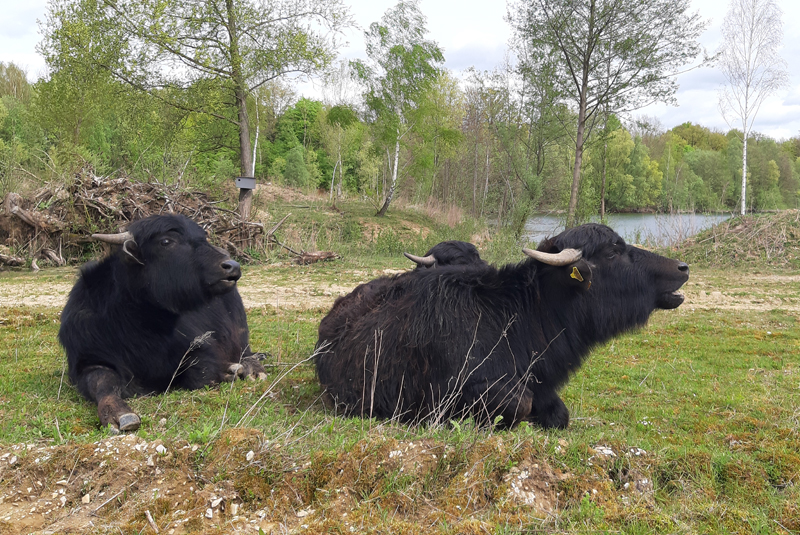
[243, 483]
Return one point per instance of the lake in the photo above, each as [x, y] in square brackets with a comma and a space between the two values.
[649, 229]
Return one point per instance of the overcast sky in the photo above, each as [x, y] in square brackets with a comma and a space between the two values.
[473, 33]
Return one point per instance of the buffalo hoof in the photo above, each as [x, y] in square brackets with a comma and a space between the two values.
[235, 371]
[129, 422]
[550, 412]
[257, 376]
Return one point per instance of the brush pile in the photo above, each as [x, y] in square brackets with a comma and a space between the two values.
[772, 239]
[55, 224]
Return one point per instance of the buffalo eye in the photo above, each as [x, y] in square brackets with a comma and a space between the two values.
[166, 242]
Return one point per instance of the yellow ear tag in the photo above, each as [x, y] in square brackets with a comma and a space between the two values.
[576, 274]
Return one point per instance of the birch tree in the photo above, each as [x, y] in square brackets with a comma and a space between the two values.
[402, 66]
[752, 34]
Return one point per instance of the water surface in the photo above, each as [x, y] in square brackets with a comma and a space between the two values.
[646, 229]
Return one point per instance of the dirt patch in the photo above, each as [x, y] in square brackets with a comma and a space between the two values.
[270, 193]
[121, 481]
[244, 483]
[534, 484]
[759, 292]
[294, 292]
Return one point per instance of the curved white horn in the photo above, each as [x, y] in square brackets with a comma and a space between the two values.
[564, 258]
[117, 239]
[422, 260]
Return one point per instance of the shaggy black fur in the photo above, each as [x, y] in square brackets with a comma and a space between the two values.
[453, 253]
[365, 296]
[487, 342]
[131, 319]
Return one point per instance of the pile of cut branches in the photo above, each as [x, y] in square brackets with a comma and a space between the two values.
[56, 223]
[772, 239]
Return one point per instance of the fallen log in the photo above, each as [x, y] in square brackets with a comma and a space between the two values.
[13, 261]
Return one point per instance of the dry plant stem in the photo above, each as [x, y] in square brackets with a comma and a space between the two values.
[151, 521]
[250, 414]
[197, 342]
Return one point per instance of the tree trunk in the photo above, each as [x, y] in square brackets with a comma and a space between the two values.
[475, 176]
[603, 185]
[390, 194]
[576, 170]
[240, 94]
[744, 175]
[333, 179]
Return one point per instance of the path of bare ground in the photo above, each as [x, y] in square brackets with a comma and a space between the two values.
[303, 288]
[295, 288]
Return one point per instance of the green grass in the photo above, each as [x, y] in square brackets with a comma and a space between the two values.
[709, 399]
[701, 410]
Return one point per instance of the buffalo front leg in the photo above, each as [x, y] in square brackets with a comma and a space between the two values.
[548, 410]
[104, 386]
[511, 400]
[247, 368]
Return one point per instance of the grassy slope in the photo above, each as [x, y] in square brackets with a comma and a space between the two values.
[701, 411]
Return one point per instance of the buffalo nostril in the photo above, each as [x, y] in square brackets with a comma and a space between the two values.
[683, 266]
[230, 265]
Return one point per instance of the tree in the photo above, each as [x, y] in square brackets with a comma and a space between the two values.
[337, 131]
[402, 66]
[752, 32]
[191, 45]
[615, 55]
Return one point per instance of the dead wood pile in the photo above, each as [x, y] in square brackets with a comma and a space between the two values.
[55, 224]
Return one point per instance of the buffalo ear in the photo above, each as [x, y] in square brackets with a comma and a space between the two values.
[132, 252]
[578, 274]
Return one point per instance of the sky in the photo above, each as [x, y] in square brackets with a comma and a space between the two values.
[474, 33]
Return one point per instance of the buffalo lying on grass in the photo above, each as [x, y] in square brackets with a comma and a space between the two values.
[494, 343]
[365, 296]
[448, 253]
[162, 311]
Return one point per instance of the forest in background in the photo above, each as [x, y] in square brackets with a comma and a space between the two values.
[496, 145]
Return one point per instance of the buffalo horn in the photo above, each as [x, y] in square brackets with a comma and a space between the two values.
[118, 239]
[421, 260]
[564, 258]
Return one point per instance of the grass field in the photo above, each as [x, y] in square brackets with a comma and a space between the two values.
[688, 426]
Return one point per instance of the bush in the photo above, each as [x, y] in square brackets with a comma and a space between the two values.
[296, 172]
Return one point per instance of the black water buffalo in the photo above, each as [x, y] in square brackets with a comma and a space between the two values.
[161, 312]
[448, 253]
[366, 296]
[495, 342]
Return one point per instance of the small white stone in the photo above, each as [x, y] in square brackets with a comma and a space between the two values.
[250, 456]
[161, 449]
[86, 498]
[234, 509]
[215, 502]
[209, 513]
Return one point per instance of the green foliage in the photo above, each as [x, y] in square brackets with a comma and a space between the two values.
[402, 66]
[296, 173]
